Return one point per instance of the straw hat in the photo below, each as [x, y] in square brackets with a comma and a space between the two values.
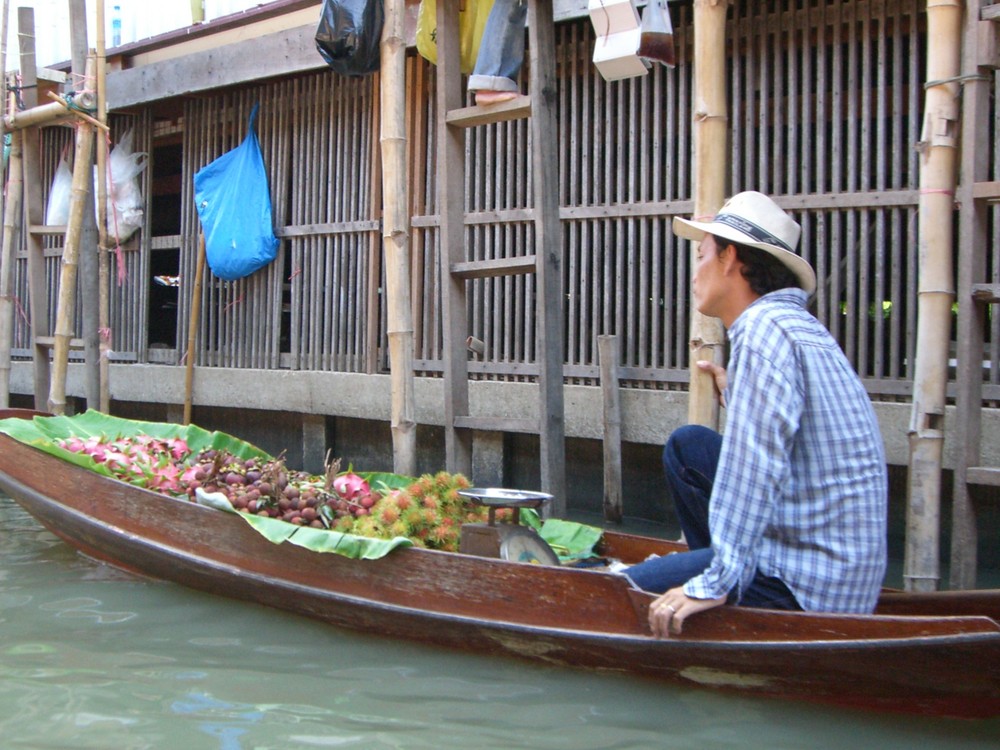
[754, 220]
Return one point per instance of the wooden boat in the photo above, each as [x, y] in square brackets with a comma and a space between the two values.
[928, 654]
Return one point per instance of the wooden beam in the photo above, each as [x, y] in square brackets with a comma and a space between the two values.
[268, 56]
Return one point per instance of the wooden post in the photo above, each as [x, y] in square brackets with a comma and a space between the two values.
[34, 214]
[974, 246]
[543, 90]
[66, 306]
[396, 237]
[11, 223]
[935, 294]
[103, 257]
[89, 286]
[608, 352]
[711, 155]
[199, 272]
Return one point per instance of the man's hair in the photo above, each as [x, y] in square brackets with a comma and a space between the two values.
[764, 272]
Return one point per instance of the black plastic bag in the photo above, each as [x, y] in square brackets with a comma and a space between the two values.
[349, 34]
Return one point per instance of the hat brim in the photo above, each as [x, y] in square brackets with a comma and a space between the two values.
[696, 231]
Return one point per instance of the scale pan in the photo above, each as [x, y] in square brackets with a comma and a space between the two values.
[505, 498]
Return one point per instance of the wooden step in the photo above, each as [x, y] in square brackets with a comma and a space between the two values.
[50, 341]
[47, 229]
[990, 190]
[469, 117]
[988, 293]
[990, 13]
[987, 476]
[483, 269]
[496, 424]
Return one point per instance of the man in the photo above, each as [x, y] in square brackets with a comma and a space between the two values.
[787, 509]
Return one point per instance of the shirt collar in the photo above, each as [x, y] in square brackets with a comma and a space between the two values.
[789, 296]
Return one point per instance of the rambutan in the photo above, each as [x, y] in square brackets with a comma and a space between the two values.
[387, 514]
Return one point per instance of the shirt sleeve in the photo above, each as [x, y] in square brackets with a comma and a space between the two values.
[764, 409]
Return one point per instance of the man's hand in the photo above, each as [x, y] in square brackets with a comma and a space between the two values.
[668, 613]
[718, 373]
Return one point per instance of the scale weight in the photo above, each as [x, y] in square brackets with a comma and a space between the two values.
[506, 541]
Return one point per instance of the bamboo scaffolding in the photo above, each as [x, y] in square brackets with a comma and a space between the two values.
[46, 114]
[936, 293]
[65, 311]
[396, 238]
[710, 158]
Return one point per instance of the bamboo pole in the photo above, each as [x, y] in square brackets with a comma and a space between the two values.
[935, 293]
[46, 114]
[11, 224]
[66, 306]
[711, 155]
[199, 272]
[103, 249]
[396, 237]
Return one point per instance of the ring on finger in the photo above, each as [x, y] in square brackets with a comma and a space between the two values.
[671, 608]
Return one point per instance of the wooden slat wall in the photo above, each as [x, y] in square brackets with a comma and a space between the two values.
[992, 365]
[825, 112]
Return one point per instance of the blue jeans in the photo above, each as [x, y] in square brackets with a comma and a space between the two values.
[501, 50]
[690, 458]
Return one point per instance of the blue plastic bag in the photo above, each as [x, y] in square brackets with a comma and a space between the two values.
[234, 204]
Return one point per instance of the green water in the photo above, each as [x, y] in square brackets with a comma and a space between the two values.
[94, 658]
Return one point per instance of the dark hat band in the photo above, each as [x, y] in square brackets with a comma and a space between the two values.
[751, 229]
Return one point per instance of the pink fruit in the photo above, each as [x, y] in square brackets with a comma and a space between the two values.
[349, 486]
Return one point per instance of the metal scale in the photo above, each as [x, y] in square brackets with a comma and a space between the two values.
[507, 541]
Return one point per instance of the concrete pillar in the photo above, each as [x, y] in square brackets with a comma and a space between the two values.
[487, 459]
[175, 413]
[313, 443]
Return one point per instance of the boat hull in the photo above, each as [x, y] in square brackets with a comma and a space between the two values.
[941, 665]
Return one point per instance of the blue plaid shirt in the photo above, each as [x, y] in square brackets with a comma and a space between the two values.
[800, 490]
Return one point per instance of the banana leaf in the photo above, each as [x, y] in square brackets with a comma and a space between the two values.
[317, 540]
[568, 539]
[43, 432]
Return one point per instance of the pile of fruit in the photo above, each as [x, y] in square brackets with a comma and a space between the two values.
[428, 511]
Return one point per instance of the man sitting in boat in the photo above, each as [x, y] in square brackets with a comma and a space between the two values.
[788, 508]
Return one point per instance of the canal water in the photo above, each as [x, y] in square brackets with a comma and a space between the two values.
[95, 658]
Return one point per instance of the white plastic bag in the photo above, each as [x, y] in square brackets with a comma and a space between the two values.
[125, 204]
[57, 210]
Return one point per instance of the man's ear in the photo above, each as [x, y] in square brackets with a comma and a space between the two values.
[729, 258]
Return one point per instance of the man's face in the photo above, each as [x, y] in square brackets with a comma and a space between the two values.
[709, 284]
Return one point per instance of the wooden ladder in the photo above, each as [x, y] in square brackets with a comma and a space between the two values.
[976, 196]
[458, 273]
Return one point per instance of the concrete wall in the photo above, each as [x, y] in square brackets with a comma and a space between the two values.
[648, 417]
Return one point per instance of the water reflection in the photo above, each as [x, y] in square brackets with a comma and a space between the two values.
[92, 658]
